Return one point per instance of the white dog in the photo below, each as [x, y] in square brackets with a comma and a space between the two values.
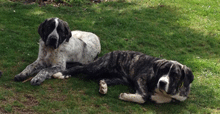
[58, 47]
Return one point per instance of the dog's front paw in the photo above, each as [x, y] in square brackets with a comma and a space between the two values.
[160, 98]
[20, 77]
[37, 80]
[103, 88]
[122, 96]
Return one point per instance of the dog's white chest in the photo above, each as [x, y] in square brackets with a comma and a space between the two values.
[51, 56]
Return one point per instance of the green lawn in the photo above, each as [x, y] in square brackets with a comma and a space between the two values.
[187, 31]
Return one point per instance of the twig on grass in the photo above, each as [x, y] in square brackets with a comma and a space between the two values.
[27, 80]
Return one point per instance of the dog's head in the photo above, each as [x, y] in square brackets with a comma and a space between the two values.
[174, 79]
[54, 31]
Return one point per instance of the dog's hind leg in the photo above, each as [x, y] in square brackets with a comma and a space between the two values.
[115, 81]
[103, 88]
[106, 82]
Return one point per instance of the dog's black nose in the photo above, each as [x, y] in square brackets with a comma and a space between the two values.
[52, 41]
[162, 84]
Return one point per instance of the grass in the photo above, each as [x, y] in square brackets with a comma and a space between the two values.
[187, 31]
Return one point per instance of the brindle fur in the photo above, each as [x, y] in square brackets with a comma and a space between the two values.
[140, 71]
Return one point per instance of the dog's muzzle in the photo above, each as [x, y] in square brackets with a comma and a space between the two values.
[162, 85]
[52, 42]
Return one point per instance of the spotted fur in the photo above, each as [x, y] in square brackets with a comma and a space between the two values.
[58, 47]
[154, 79]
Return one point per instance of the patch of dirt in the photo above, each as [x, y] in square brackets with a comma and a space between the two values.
[17, 110]
[2, 111]
[31, 101]
[26, 101]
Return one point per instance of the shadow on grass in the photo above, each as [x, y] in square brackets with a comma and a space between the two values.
[155, 30]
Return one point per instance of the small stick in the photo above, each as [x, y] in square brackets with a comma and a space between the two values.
[27, 80]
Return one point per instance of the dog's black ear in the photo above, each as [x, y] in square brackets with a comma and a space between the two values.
[67, 31]
[188, 75]
[41, 30]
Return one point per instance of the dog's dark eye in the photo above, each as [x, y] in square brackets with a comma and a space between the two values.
[164, 69]
[59, 30]
[175, 75]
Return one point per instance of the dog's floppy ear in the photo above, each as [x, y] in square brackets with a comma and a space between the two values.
[188, 75]
[67, 31]
[41, 30]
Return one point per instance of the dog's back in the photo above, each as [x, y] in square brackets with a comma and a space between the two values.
[91, 43]
[89, 38]
[83, 47]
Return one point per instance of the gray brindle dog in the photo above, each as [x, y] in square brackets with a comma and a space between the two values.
[154, 79]
[59, 46]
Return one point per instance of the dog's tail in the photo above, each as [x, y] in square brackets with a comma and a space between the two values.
[92, 70]
[73, 71]
[72, 64]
